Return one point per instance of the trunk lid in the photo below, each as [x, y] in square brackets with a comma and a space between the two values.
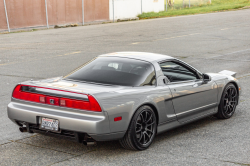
[59, 86]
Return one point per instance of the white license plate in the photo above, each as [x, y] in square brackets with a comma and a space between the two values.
[50, 124]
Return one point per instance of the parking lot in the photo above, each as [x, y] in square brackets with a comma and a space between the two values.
[209, 42]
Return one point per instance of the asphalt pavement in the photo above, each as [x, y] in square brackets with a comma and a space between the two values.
[209, 42]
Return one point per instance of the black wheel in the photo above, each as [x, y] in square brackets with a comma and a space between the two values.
[228, 102]
[141, 131]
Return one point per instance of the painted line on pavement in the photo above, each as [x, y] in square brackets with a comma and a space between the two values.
[169, 38]
[72, 53]
[227, 54]
[177, 37]
[224, 29]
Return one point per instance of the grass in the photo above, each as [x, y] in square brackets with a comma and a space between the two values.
[217, 5]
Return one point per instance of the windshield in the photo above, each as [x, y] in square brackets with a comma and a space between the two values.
[115, 71]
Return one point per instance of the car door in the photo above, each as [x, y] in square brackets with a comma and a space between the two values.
[192, 98]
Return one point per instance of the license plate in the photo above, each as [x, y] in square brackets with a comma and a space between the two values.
[50, 124]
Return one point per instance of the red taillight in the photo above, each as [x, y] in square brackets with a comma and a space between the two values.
[19, 94]
[42, 99]
[62, 102]
[77, 104]
[91, 104]
[94, 105]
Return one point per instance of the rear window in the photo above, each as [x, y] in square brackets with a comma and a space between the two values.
[115, 71]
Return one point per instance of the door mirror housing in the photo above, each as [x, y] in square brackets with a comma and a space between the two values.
[206, 78]
[162, 80]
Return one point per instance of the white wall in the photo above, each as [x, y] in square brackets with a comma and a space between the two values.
[131, 8]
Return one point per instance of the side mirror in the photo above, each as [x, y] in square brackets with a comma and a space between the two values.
[206, 78]
[162, 81]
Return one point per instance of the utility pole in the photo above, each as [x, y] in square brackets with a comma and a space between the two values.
[113, 10]
[82, 12]
[47, 21]
[6, 13]
[141, 6]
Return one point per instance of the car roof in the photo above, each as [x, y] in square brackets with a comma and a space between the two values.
[150, 57]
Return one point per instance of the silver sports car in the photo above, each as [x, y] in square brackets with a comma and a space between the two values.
[125, 96]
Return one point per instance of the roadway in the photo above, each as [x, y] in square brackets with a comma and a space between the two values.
[209, 42]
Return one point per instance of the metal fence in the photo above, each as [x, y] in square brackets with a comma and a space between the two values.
[15, 14]
[180, 4]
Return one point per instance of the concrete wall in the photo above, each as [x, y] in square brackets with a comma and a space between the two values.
[131, 8]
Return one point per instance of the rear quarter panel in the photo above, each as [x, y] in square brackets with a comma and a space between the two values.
[124, 103]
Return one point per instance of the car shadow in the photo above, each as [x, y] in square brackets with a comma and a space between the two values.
[70, 147]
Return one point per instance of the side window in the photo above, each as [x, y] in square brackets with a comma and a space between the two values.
[176, 72]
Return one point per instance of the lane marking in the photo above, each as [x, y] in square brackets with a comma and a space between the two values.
[224, 29]
[169, 38]
[73, 53]
[10, 63]
[227, 54]
[176, 37]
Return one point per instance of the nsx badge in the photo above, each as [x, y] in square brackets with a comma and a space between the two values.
[52, 101]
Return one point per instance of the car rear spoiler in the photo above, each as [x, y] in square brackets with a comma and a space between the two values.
[227, 72]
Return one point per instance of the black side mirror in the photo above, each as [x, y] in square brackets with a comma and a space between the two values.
[206, 78]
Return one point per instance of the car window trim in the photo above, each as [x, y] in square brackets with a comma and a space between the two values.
[182, 82]
[199, 74]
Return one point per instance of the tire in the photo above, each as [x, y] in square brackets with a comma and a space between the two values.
[141, 131]
[228, 102]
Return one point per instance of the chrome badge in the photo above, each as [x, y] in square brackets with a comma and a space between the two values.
[52, 101]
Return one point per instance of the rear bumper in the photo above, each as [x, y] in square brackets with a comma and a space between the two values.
[94, 124]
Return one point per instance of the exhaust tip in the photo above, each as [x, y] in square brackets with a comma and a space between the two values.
[23, 129]
[89, 143]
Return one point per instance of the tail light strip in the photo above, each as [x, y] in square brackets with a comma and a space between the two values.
[90, 105]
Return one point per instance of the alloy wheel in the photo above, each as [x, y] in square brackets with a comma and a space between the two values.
[230, 101]
[145, 127]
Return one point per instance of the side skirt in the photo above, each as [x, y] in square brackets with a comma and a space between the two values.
[173, 124]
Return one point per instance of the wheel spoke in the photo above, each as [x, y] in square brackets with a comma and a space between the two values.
[149, 118]
[226, 96]
[142, 118]
[146, 115]
[226, 109]
[150, 124]
[141, 135]
[144, 139]
[138, 124]
[147, 135]
[137, 131]
[233, 93]
[149, 131]
[230, 92]
[230, 109]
